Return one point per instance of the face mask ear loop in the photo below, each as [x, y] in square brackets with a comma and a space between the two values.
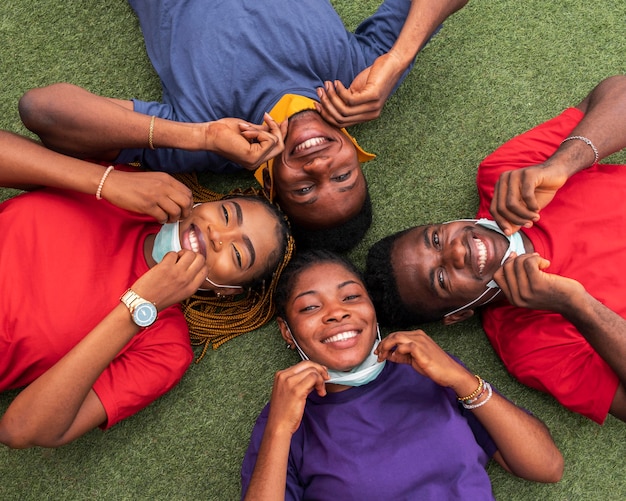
[219, 286]
[302, 354]
[489, 287]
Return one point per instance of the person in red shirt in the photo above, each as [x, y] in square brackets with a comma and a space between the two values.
[544, 271]
[92, 328]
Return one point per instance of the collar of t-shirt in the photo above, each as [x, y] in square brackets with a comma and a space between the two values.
[288, 105]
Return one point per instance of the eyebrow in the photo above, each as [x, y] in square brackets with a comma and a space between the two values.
[340, 286]
[431, 273]
[251, 250]
[246, 240]
[239, 213]
[312, 200]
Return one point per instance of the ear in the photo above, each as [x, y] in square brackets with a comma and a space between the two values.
[457, 317]
[284, 331]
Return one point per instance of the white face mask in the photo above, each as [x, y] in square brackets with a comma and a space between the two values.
[516, 244]
[364, 373]
[168, 240]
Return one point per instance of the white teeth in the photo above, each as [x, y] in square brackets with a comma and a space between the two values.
[482, 254]
[340, 337]
[193, 241]
[309, 143]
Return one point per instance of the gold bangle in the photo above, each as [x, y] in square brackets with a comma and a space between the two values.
[151, 133]
[476, 391]
[102, 180]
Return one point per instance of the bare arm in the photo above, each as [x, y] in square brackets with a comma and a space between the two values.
[26, 164]
[526, 285]
[76, 122]
[287, 403]
[61, 405]
[367, 94]
[521, 194]
[525, 447]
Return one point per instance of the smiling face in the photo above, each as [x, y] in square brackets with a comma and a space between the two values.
[318, 176]
[237, 236]
[439, 268]
[331, 316]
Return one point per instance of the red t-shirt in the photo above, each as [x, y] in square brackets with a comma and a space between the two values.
[65, 259]
[581, 232]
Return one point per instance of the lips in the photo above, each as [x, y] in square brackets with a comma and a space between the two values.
[341, 336]
[196, 240]
[310, 146]
[481, 254]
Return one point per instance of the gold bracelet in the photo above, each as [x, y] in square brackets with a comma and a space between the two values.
[102, 180]
[151, 133]
[476, 391]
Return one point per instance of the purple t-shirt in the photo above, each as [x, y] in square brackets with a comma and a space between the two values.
[399, 437]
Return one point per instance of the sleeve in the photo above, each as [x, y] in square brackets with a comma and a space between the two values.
[530, 148]
[544, 351]
[293, 489]
[148, 367]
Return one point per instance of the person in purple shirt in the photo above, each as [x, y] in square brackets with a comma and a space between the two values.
[361, 418]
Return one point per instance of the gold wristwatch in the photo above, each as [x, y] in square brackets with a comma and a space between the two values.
[142, 311]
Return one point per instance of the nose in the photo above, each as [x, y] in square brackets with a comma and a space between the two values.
[216, 237]
[455, 253]
[317, 165]
[335, 312]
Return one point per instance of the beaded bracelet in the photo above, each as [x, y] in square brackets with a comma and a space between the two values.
[476, 391]
[151, 133]
[479, 404]
[477, 397]
[102, 180]
[589, 143]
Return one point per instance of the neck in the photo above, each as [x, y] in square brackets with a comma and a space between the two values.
[148, 245]
[336, 388]
[528, 245]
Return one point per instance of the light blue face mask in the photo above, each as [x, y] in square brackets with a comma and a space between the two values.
[364, 373]
[516, 244]
[168, 240]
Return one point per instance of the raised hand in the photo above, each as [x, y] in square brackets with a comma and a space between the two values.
[173, 280]
[156, 194]
[247, 144]
[526, 284]
[291, 387]
[366, 96]
[417, 349]
[520, 195]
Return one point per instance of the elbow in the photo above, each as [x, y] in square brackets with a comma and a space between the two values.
[12, 439]
[36, 108]
[555, 469]
[17, 437]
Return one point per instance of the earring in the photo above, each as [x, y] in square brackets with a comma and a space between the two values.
[218, 294]
[289, 347]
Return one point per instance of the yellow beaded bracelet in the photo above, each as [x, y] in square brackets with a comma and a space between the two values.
[476, 391]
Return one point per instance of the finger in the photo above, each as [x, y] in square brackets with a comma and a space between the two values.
[521, 191]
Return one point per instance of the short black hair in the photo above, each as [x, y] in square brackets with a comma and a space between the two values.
[341, 238]
[301, 262]
[382, 285]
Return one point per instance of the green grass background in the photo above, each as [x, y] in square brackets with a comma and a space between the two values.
[496, 69]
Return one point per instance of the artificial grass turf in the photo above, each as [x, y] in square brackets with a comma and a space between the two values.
[495, 70]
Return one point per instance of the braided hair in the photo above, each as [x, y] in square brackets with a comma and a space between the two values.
[215, 319]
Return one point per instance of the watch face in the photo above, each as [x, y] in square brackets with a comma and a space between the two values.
[145, 314]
